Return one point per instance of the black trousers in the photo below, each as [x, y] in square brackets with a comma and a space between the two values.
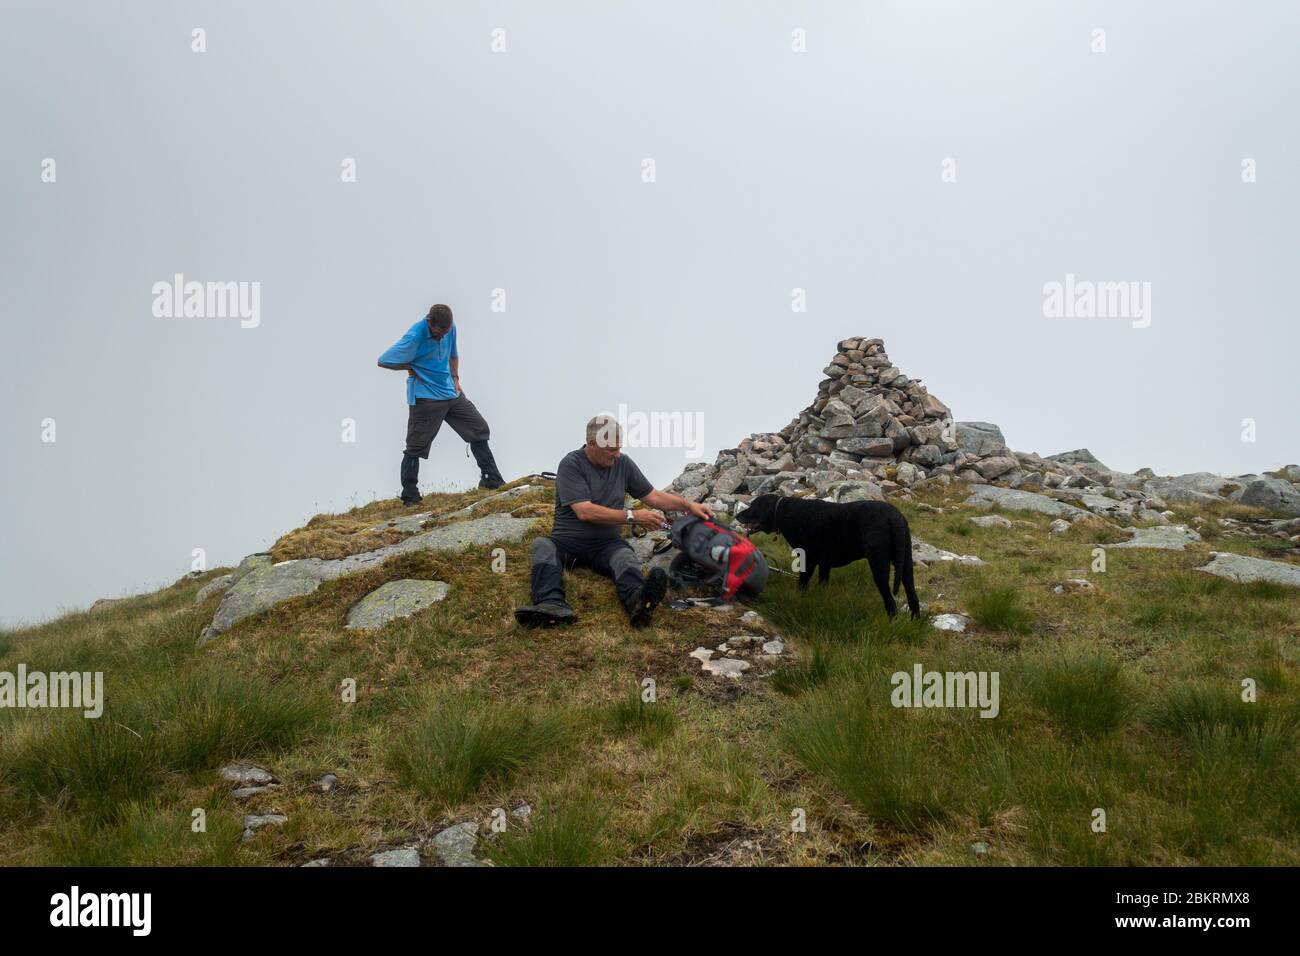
[425, 418]
[613, 558]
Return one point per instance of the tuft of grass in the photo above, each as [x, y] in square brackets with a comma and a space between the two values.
[959, 526]
[1186, 586]
[166, 724]
[880, 768]
[1158, 611]
[1264, 590]
[212, 717]
[848, 609]
[653, 722]
[1086, 693]
[92, 766]
[461, 743]
[570, 836]
[143, 834]
[1217, 724]
[794, 679]
[999, 609]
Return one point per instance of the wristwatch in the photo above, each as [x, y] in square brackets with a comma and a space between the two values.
[630, 518]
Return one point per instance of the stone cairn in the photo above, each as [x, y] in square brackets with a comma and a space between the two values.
[874, 431]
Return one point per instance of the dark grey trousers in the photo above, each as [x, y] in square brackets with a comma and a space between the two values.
[613, 558]
[426, 416]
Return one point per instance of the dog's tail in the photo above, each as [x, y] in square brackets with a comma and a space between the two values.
[903, 563]
[902, 550]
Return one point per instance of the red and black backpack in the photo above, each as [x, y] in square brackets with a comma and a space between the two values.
[712, 555]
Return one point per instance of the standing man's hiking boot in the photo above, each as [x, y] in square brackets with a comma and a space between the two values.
[546, 614]
[487, 465]
[410, 480]
[642, 605]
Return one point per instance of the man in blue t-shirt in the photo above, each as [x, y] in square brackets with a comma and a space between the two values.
[427, 353]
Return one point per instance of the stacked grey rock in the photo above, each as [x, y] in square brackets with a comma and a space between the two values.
[874, 431]
[870, 431]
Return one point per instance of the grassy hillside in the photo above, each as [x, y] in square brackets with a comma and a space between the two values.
[1125, 698]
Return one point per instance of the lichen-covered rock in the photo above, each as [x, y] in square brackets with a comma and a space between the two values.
[215, 586]
[1080, 456]
[401, 856]
[1174, 537]
[988, 496]
[923, 553]
[1245, 569]
[1274, 494]
[981, 439]
[393, 600]
[268, 585]
[455, 845]
[252, 562]
[1197, 488]
[254, 822]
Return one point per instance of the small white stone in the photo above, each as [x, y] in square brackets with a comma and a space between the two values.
[246, 774]
[243, 793]
[950, 622]
[726, 667]
[774, 648]
[1074, 585]
[254, 822]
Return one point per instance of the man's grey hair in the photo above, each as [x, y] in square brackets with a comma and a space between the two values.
[604, 431]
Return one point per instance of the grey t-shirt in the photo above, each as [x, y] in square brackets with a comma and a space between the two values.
[577, 479]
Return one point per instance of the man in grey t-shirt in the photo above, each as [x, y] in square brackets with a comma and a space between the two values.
[591, 486]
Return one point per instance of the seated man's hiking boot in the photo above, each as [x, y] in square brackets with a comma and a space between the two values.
[642, 605]
[546, 614]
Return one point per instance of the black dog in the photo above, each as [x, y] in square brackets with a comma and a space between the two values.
[833, 535]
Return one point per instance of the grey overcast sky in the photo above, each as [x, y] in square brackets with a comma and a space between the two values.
[522, 170]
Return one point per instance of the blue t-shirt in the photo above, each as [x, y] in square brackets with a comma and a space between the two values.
[430, 358]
